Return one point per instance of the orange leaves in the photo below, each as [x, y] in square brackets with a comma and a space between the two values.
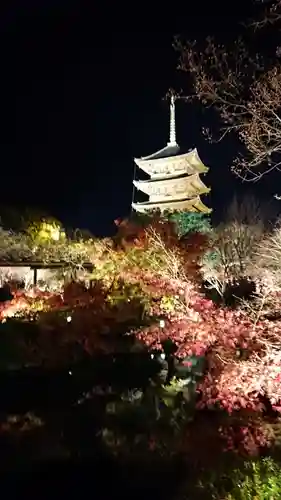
[240, 368]
[131, 233]
[240, 362]
[26, 303]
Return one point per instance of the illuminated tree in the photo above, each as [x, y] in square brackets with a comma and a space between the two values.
[245, 89]
[46, 230]
[19, 219]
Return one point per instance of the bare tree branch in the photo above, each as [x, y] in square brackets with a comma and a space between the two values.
[246, 93]
[271, 15]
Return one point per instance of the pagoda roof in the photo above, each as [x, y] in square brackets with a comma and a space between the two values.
[194, 205]
[170, 152]
[157, 166]
[166, 152]
[191, 185]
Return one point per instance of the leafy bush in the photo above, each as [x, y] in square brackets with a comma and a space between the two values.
[260, 480]
[257, 479]
[191, 222]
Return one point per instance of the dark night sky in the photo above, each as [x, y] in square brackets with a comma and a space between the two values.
[81, 95]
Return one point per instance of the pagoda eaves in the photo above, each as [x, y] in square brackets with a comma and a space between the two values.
[193, 205]
[187, 163]
[174, 188]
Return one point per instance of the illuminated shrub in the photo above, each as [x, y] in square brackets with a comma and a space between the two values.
[230, 256]
[191, 222]
[260, 480]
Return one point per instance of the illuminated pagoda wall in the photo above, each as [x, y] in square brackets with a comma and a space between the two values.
[175, 183]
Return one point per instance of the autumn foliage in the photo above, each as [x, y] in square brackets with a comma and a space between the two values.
[146, 290]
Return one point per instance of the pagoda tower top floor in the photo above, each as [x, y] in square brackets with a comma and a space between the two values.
[169, 161]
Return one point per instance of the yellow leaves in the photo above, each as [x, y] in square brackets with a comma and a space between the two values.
[169, 304]
[46, 230]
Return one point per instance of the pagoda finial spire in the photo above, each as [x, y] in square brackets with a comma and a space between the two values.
[172, 141]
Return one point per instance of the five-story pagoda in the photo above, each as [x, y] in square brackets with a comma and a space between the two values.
[174, 183]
